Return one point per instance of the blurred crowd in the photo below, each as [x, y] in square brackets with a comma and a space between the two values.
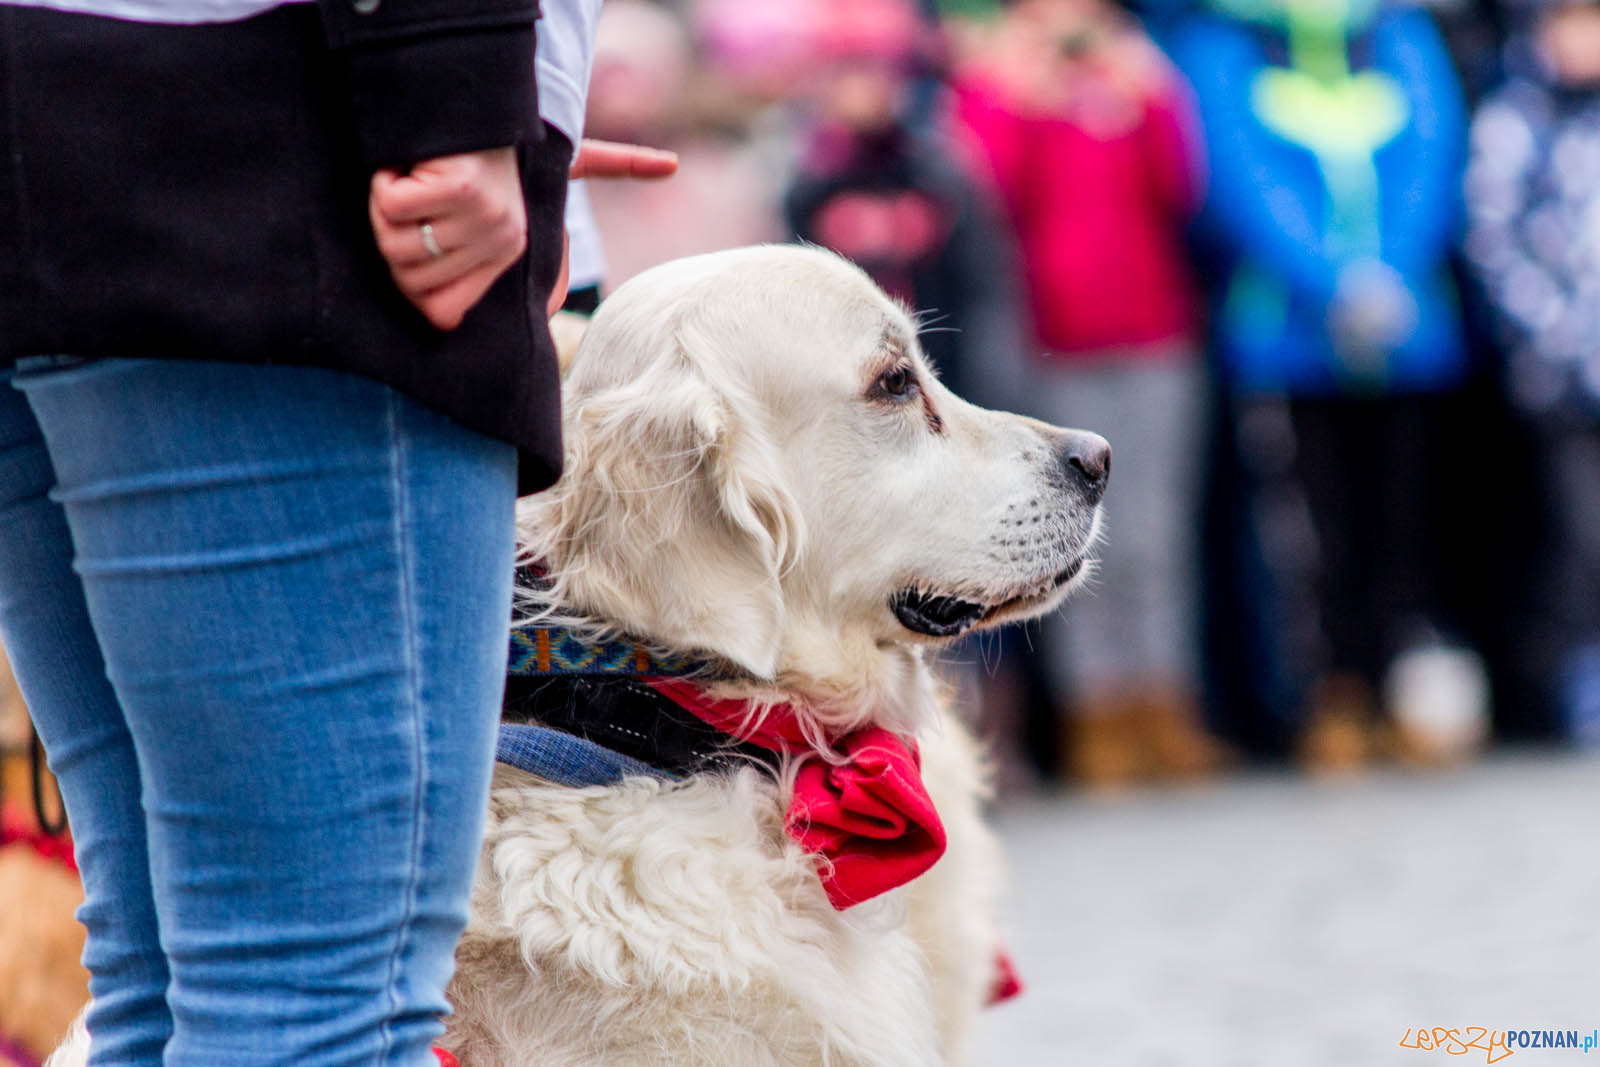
[1326, 272]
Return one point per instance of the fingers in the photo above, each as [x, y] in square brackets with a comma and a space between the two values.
[439, 186]
[446, 306]
[446, 287]
[473, 202]
[434, 272]
[403, 245]
[608, 159]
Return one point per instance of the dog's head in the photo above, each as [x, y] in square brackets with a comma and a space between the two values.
[761, 465]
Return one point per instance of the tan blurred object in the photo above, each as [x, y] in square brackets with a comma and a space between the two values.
[566, 329]
[13, 727]
[1168, 725]
[15, 735]
[1341, 734]
[44, 985]
[1153, 735]
[1102, 751]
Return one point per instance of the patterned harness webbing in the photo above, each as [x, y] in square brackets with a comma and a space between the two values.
[577, 712]
[541, 651]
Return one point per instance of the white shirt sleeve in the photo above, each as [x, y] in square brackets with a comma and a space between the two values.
[586, 256]
[563, 58]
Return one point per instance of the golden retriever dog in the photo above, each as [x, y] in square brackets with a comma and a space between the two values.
[763, 473]
[763, 470]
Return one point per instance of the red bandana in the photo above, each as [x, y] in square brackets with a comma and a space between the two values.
[870, 816]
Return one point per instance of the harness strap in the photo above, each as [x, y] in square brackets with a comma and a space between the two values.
[566, 759]
[630, 719]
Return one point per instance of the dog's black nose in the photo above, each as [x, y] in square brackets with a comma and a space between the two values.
[1087, 459]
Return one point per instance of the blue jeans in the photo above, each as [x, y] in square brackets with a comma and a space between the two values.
[259, 614]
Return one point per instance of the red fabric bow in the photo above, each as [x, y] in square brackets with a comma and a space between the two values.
[870, 817]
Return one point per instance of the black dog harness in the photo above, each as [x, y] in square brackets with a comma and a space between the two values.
[577, 711]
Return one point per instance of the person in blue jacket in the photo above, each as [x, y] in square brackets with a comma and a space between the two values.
[1335, 131]
[1336, 136]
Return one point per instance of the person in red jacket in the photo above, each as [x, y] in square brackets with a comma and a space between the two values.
[1089, 137]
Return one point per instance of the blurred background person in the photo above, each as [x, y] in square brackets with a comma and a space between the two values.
[650, 82]
[1335, 131]
[1533, 200]
[893, 198]
[882, 179]
[1088, 134]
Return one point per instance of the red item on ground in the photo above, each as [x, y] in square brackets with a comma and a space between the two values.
[1007, 982]
[446, 1059]
[869, 816]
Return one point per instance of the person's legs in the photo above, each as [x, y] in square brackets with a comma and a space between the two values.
[1573, 457]
[1336, 454]
[1570, 582]
[301, 584]
[1407, 605]
[1165, 405]
[1129, 644]
[1135, 627]
[45, 625]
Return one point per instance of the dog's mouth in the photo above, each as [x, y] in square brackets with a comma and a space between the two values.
[944, 615]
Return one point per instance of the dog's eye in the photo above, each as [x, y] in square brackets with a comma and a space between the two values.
[897, 381]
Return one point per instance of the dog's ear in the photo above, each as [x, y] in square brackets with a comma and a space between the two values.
[671, 520]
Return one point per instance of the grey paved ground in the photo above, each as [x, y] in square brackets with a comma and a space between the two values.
[1278, 921]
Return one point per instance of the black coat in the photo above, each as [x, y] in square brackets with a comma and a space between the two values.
[200, 192]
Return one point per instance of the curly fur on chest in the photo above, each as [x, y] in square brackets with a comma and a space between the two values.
[660, 923]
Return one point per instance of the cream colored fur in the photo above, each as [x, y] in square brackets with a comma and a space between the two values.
[741, 483]
[735, 486]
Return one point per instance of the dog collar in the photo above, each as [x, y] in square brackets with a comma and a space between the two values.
[587, 712]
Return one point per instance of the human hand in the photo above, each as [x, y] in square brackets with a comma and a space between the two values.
[608, 159]
[470, 208]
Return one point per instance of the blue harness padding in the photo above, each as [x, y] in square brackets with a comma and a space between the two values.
[567, 759]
